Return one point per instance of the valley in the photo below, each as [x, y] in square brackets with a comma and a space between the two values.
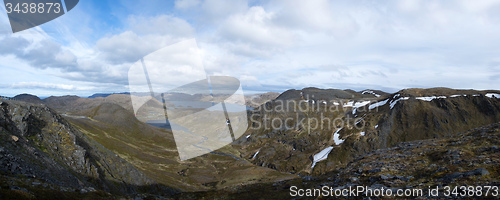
[302, 137]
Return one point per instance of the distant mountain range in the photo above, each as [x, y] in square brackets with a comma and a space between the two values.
[105, 94]
[97, 147]
[407, 115]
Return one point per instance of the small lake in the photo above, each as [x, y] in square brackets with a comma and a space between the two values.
[166, 124]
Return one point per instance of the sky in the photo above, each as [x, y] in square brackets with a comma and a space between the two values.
[268, 45]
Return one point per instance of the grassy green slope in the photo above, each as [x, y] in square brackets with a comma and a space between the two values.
[153, 151]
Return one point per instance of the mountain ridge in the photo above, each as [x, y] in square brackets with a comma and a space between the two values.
[107, 128]
[467, 158]
[406, 115]
[34, 137]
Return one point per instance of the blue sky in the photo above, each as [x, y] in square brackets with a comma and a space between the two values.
[268, 45]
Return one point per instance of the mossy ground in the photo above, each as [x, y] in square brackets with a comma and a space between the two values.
[418, 164]
[152, 150]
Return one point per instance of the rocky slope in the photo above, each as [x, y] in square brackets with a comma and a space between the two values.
[111, 122]
[256, 100]
[327, 94]
[28, 98]
[37, 145]
[75, 105]
[153, 151]
[289, 137]
[470, 158]
[356, 125]
[417, 114]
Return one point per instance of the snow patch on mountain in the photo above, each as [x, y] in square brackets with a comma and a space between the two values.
[322, 155]
[255, 154]
[336, 138]
[380, 103]
[349, 104]
[359, 104]
[370, 92]
[393, 102]
[492, 95]
[430, 98]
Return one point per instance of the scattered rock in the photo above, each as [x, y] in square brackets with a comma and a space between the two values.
[451, 177]
[391, 176]
[373, 179]
[478, 172]
[307, 178]
[374, 170]
[441, 169]
[14, 167]
[18, 188]
[58, 153]
[403, 178]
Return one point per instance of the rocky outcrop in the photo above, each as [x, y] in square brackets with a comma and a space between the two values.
[28, 98]
[287, 134]
[50, 149]
[412, 118]
[471, 159]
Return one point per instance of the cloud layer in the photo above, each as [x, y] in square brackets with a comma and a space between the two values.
[275, 45]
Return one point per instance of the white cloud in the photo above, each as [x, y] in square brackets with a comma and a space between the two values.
[378, 44]
[219, 9]
[125, 47]
[312, 16]
[256, 27]
[186, 4]
[147, 35]
[479, 6]
[13, 45]
[43, 53]
[29, 85]
[249, 81]
[162, 25]
[409, 5]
